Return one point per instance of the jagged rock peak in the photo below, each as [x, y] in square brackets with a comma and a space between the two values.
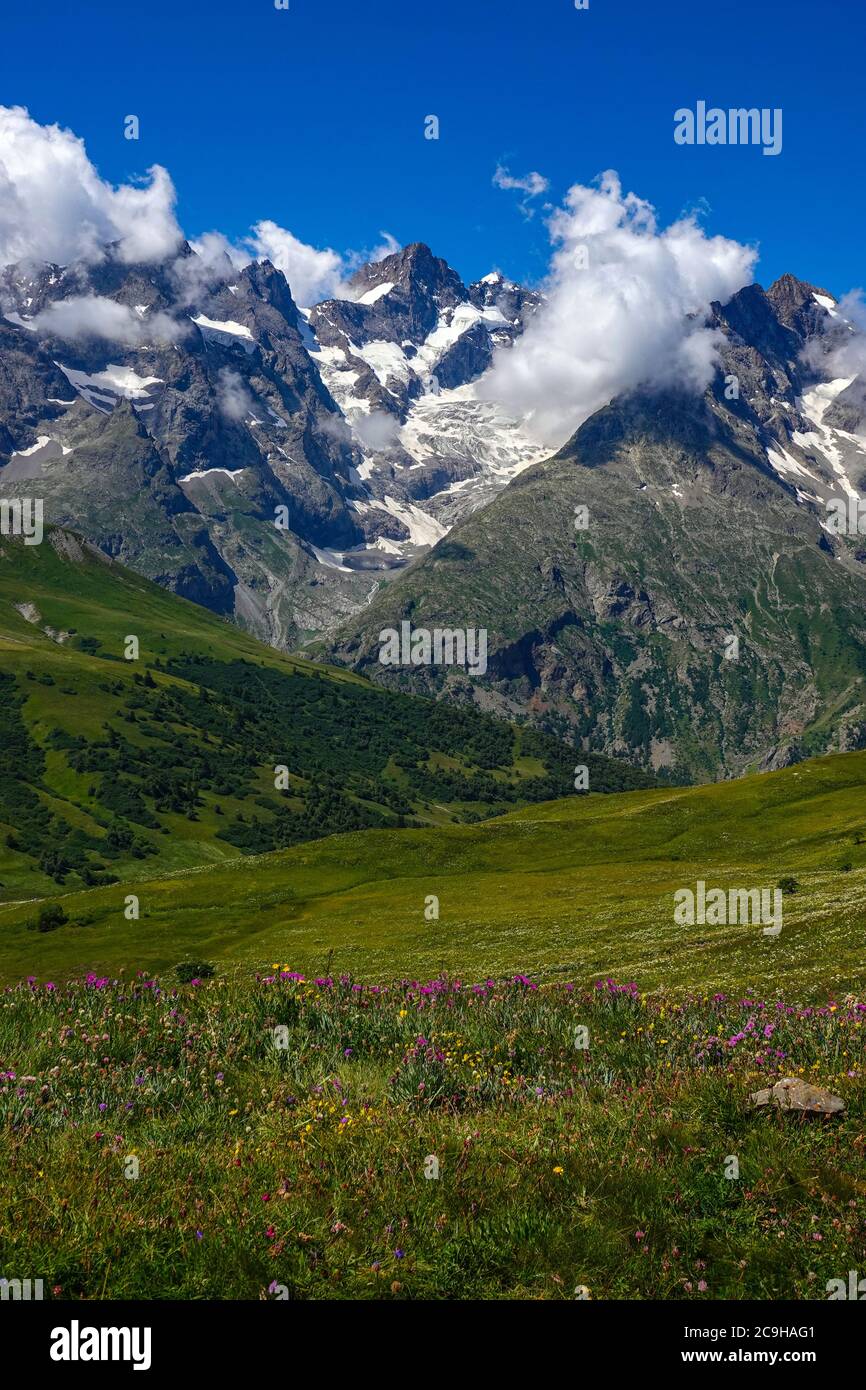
[797, 304]
[416, 270]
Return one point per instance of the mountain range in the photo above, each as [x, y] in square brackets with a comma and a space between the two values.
[318, 474]
[673, 585]
[271, 464]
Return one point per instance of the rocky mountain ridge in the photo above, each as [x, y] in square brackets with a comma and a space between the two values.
[708, 617]
[271, 463]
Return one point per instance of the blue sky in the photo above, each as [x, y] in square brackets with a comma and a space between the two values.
[314, 116]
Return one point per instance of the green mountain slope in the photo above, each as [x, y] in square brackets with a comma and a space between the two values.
[108, 765]
[621, 632]
[580, 888]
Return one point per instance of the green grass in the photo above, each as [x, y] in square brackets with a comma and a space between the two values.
[108, 763]
[304, 1167]
[578, 888]
[156, 1143]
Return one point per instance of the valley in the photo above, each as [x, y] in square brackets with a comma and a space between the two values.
[208, 743]
[578, 888]
[432, 703]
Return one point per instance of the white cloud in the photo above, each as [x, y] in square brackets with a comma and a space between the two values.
[90, 316]
[214, 250]
[55, 207]
[532, 185]
[626, 306]
[233, 398]
[388, 246]
[312, 274]
[841, 350]
[378, 430]
[213, 264]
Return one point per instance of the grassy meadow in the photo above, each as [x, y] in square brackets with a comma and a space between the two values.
[267, 1136]
[579, 888]
[392, 1062]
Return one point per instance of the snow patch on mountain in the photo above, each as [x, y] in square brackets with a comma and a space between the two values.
[225, 331]
[376, 293]
[386, 359]
[45, 447]
[423, 529]
[331, 559]
[102, 389]
[339, 376]
[455, 424]
[785, 463]
[233, 473]
[451, 326]
[833, 444]
[826, 303]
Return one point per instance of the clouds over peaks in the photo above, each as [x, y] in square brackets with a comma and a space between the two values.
[626, 306]
[55, 207]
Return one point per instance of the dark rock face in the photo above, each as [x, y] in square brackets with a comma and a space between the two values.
[405, 299]
[211, 426]
[423, 285]
[30, 386]
[467, 358]
[749, 320]
[495, 292]
[795, 306]
[261, 494]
